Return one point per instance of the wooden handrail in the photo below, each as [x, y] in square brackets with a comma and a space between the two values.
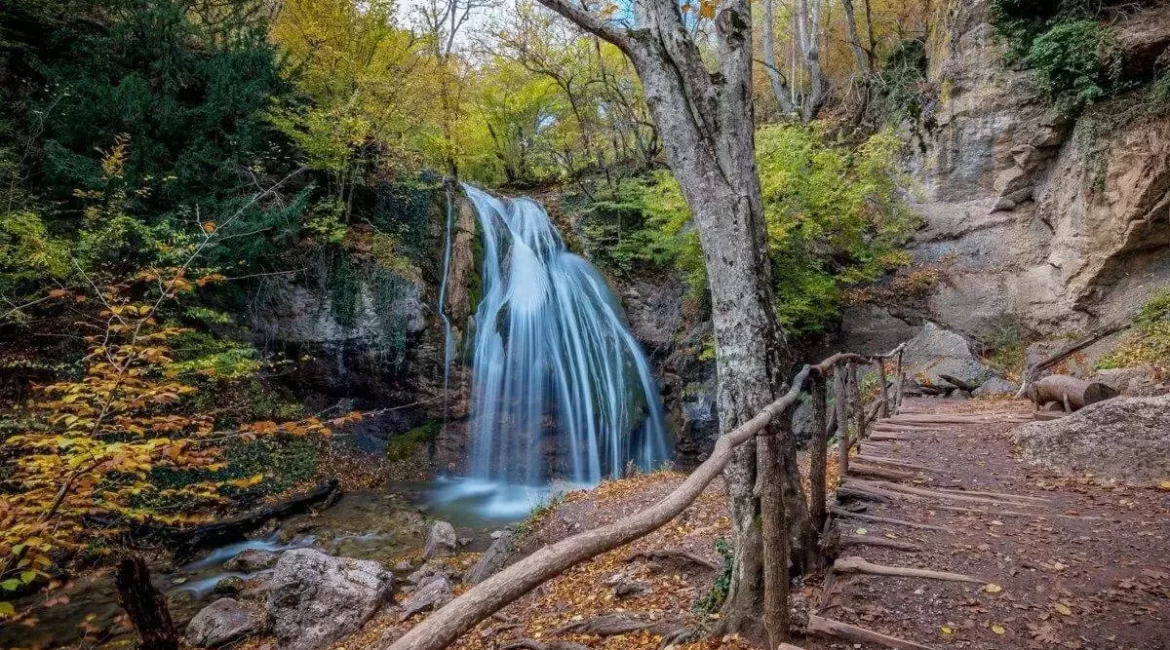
[444, 626]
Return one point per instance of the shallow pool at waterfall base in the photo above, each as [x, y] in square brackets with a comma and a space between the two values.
[478, 502]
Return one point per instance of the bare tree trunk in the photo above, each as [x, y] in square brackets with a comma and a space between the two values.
[859, 57]
[808, 24]
[705, 120]
[779, 88]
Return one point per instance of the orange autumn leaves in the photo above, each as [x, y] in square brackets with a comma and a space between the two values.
[82, 461]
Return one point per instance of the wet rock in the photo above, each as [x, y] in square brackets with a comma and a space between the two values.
[252, 560]
[440, 541]
[996, 386]
[316, 599]
[1124, 439]
[221, 622]
[431, 596]
[492, 560]
[496, 534]
[229, 586]
[403, 566]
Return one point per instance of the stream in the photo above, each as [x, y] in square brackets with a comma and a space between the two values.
[388, 525]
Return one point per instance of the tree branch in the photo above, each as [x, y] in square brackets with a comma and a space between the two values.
[592, 24]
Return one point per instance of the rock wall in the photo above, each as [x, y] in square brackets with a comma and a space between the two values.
[1058, 225]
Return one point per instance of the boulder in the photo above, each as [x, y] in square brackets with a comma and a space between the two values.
[937, 351]
[221, 622]
[1139, 381]
[492, 559]
[1124, 439]
[252, 560]
[996, 386]
[425, 574]
[431, 596]
[440, 541]
[316, 599]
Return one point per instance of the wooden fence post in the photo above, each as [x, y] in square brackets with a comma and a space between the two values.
[145, 606]
[858, 404]
[901, 379]
[841, 406]
[884, 395]
[819, 453]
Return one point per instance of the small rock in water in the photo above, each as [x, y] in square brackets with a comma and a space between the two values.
[228, 586]
[251, 560]
[220, 622]
[403, 566]
[464, 541]
[496, 534]
[440, 541]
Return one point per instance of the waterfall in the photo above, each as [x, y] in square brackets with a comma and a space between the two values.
[556, 373]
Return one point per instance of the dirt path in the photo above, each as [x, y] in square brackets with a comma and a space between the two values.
[1070, 563]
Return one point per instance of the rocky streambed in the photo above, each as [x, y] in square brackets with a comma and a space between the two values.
[362, 550]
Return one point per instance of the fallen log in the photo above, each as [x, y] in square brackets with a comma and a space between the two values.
[841, 512]
[446, 625]
[188, 541]
[857, 564]
[1033, 372]
[1063, 389]
[533, 644]
[958, 383]
[838, 630]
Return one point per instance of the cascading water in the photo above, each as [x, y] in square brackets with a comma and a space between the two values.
[560, 388]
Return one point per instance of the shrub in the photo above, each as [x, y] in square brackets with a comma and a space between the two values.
[1077, 63]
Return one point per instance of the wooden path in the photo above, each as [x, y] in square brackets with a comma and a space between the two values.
[948, 541]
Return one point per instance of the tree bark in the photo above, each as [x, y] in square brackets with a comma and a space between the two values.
[145, 606]
[1074, 393]
[884, 395]
[706, 122]
[780, 89]
[858, 405]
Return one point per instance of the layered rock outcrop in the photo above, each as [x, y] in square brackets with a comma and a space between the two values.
[1061, 224]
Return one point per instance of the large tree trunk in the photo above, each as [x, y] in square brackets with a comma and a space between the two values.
[705, 118]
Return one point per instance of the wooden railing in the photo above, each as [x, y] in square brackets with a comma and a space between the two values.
[444, 626]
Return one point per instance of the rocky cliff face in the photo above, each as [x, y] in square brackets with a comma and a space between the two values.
[1056, 224]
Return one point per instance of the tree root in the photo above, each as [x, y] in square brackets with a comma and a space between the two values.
[841, 512]
[672, 554]
[857, 564]
[877, 496]
[1012, 513]
[882, 542]
[533, 644]
[838, 630]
